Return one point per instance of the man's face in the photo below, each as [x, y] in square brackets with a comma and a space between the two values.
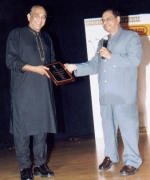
[37, 18]
[110, 22]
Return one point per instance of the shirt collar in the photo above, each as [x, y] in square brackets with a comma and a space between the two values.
[32, 30]
[117, 33]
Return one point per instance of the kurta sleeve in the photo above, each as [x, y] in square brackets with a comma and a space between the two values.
[13, 60]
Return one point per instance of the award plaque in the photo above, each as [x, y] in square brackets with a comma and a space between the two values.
[59, 74]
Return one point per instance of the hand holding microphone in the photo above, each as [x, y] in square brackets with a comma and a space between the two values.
[104, 52]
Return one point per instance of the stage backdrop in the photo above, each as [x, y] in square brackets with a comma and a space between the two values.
[94, 32]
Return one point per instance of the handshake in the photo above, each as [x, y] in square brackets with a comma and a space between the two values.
[70, 67]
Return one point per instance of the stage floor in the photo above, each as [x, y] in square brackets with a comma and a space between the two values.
[79, 159]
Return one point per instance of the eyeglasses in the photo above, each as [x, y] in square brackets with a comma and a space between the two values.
[37, 16]
[107, 20]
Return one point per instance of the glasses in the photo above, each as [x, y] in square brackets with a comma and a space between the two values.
[107, 20]
[37, 16]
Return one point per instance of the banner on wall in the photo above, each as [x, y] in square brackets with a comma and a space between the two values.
[94, 32]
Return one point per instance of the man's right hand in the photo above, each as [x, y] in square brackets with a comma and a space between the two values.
[70, 67]
[42, 70]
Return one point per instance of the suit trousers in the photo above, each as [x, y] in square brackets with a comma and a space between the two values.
[125, 117]
[23, 150]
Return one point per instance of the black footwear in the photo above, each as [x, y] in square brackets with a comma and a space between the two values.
[128, 170]
[43, 171]
[26, 174]
[106, 164]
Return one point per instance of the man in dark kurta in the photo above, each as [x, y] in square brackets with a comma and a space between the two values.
[32, 100]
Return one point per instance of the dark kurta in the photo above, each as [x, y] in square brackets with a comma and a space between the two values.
[33, 109]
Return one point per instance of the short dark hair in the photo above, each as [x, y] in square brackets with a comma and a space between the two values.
[114, 12]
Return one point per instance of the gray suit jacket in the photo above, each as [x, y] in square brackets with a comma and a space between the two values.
[117, 77]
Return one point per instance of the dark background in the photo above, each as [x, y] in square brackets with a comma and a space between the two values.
[65, 24]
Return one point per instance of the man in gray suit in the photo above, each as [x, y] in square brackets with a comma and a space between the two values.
[116, 66]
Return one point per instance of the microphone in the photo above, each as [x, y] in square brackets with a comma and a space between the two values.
[105, 41]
